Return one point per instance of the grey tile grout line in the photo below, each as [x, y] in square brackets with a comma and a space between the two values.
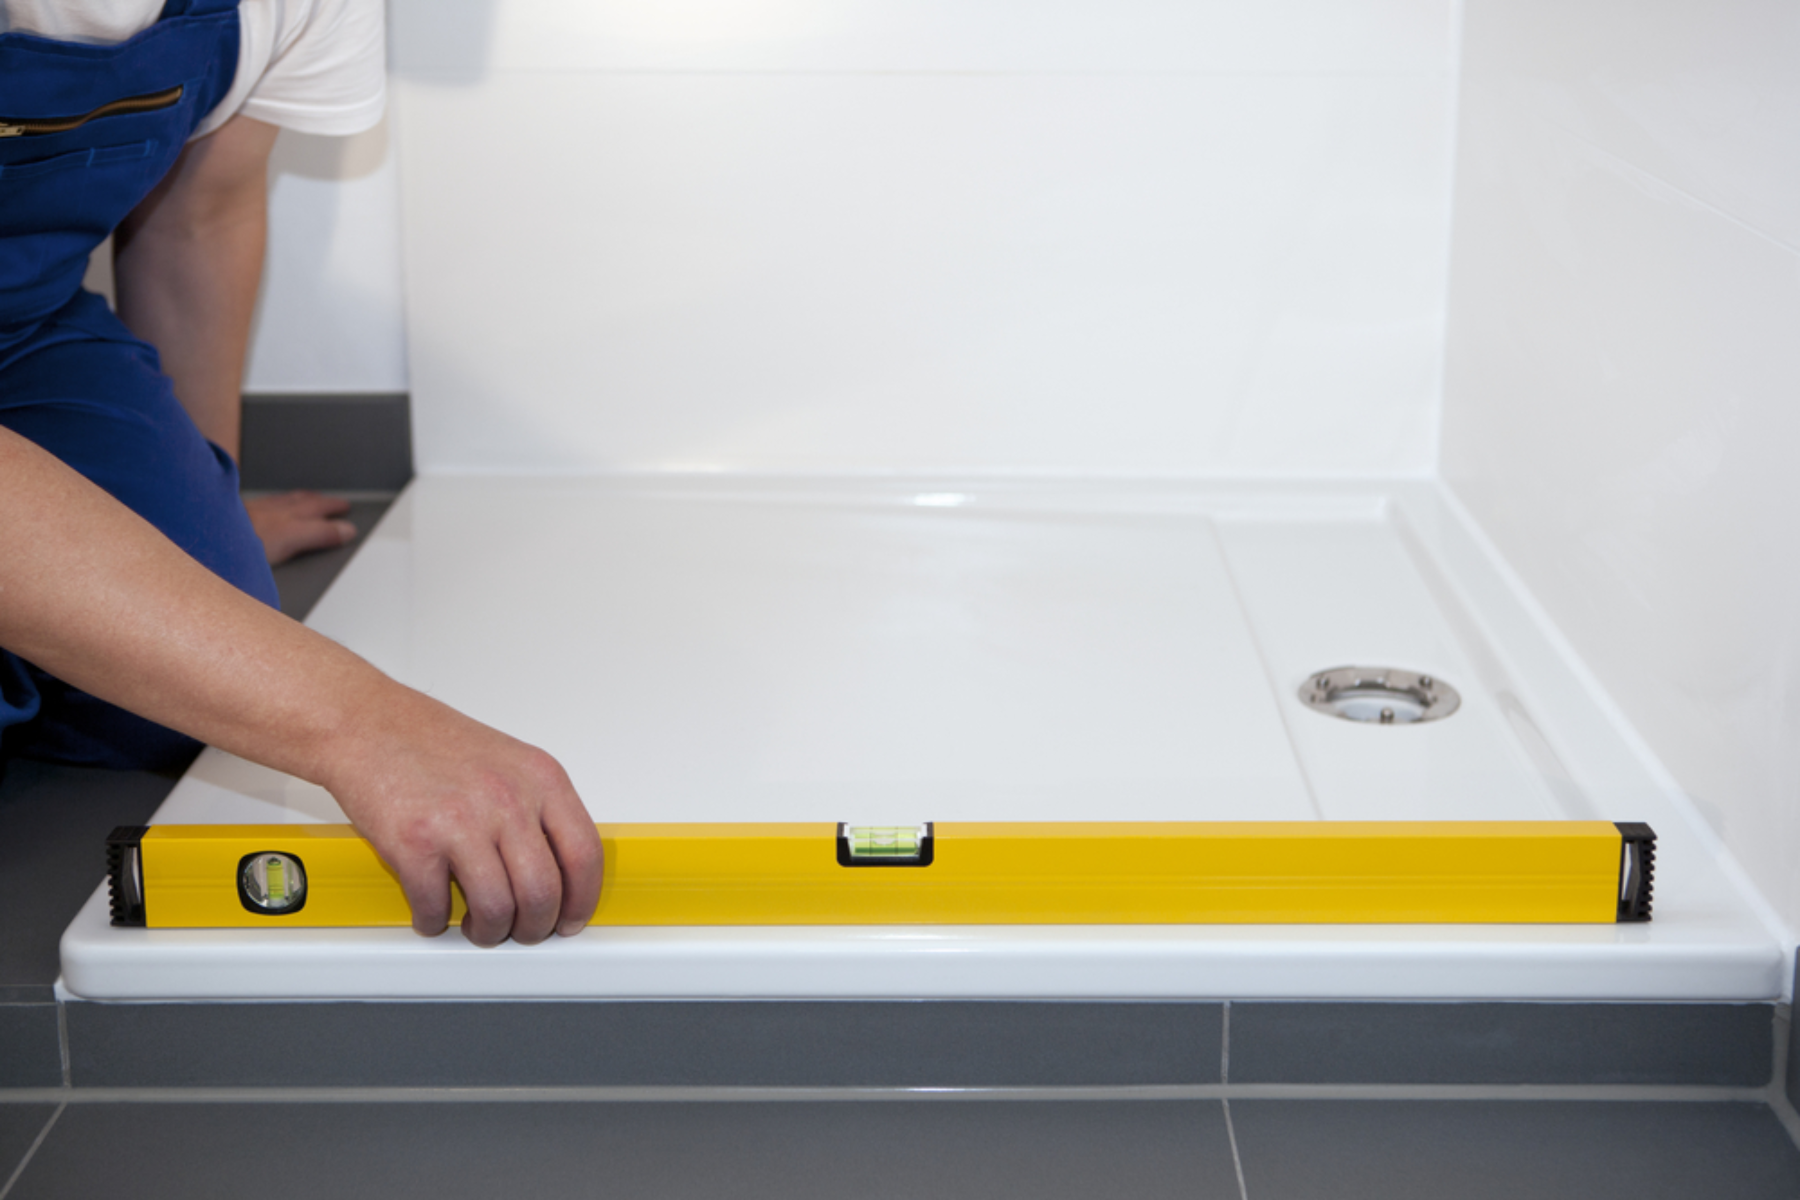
[1783, 1108]
[62, 1043]
[26, 1160]
[1779, 1101]
[1603, 1093]
[1237, 1161]
[1224, 1045]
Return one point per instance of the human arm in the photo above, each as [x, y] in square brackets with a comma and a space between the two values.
[186, 266]
[96, 596]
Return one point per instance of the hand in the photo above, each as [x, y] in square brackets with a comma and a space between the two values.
[441, 795]
[93, 594]
[297, 522]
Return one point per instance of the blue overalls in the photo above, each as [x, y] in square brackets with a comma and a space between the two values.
[73, 379]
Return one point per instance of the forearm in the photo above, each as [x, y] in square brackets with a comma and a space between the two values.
[187, 264]
[96, 596]
[93, 594]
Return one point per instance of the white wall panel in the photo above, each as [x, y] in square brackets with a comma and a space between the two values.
[1624, 363]
[472, 37]
[1703, 96]
[1163, 272]
[331, 314]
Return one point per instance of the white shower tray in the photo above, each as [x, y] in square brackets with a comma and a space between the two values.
[896, 650]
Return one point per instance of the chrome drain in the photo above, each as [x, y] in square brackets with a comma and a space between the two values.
[1379, 695]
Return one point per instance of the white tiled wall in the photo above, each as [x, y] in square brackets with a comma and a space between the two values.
[331, 314]
[1622, 407]
[793, 234]
[1141, 236]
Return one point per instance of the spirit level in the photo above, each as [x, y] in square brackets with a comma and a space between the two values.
[966, 873]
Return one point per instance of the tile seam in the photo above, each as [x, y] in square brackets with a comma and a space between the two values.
[1453, 156]
[1748, 225]
[1237, 1161]
[1524, 1093]
[425, 74]
[1225, 1044]
[62, 1043]
[1780, 1103]
[6, 1189]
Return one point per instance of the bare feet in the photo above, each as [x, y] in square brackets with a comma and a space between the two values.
[297, 522]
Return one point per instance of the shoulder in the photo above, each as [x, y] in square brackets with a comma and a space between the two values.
[329, 29]
[313, 66]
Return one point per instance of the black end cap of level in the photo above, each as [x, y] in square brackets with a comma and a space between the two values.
[125, 875]
[1637, 870]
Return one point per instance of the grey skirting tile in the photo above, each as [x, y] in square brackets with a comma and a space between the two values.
[670, 1043]
[334, 442]
[940, 1149]
[30, 1047]
[1505, 1150]
[1729, 1045]
[1793, 1054]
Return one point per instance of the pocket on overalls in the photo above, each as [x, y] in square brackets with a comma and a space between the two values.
[12, 127]
[65, 182]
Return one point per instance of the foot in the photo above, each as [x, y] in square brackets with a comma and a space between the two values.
[297, 523]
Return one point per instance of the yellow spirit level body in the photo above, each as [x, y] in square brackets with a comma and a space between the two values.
[955, 873]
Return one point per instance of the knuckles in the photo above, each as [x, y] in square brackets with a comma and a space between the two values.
[538, 898]
[582, 858]
[486, 793]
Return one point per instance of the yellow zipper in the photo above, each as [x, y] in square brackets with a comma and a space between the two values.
[25, 127]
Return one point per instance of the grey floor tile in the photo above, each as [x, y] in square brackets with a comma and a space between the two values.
[668, 1043]
[937, 1149]
[30, 1046]
[20, 1125]
[1505, 1150]
[301, 581]
[1722, 1045]
[53, 826]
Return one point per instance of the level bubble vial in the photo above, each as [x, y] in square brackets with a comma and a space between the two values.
[271, 882]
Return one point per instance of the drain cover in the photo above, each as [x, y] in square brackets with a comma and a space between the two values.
[1379, 695]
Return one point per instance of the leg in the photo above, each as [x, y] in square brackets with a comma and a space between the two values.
[103, 407]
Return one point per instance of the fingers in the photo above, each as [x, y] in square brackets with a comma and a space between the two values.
[441, 796]
[427, 888]
[299, 522]
[313, 504]
[489, 894]
[301, 503]
[537, 887]
[510, 891]
[302, 537]
[516, 876]
[576, 844]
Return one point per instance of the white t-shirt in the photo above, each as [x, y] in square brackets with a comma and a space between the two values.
[313, 66]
